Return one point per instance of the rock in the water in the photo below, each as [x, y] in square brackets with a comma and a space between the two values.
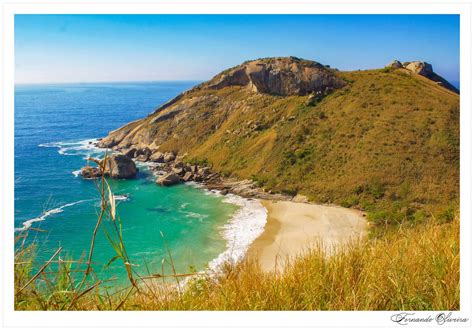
[90, 172]
[168, 179]
[120, 167]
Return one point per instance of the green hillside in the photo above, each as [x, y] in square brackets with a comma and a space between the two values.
[385, 141]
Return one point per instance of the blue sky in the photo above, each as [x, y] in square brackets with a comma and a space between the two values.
[90, 48]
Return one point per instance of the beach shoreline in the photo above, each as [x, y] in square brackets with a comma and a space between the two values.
[293, 228]
[287, 226]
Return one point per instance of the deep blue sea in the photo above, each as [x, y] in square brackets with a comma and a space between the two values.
[53, 124]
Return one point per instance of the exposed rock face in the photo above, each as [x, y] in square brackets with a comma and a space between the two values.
[421, 68]
[279, 76]
[395, 64]
[168, 179]
[120, 167]
[426, 70]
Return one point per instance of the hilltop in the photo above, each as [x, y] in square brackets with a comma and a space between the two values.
[385, 141]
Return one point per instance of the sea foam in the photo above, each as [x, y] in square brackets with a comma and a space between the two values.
[27, 224]
[84, 147]
[247, 223]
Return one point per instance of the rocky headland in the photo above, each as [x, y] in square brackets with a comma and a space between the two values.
[285, 128]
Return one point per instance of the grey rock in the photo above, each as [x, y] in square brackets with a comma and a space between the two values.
[395, 64]
[178, 170]
[90, 172]
[188, 176]
[119, 166]
[157, 157]
[169, 157]
[130, 152]
[168, 179]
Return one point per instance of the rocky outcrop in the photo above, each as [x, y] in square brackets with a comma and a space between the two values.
[175, 172]
[168, 179]
[423, 69]
[143, 154]
[90, 172]
[395, 65]
[279, 76]
[119, 166]
[157, 157]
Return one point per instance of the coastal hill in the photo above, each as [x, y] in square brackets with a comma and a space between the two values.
[385, 141]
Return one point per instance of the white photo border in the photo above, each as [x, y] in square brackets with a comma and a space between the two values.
[271, 319]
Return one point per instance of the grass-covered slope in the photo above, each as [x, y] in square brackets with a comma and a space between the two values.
[386, 142]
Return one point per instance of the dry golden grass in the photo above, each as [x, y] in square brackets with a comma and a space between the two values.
[410, 268]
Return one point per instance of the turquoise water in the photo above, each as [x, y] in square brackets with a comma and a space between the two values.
[51, 124]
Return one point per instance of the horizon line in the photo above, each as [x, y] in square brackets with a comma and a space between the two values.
[106, 82]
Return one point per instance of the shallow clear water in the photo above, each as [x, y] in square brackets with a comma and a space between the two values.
[50, 120]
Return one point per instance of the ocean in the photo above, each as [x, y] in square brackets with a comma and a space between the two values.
[54, 125]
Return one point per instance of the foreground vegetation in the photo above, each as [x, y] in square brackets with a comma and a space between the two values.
[411, 267]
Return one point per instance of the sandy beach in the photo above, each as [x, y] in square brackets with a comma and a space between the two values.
[292, 228]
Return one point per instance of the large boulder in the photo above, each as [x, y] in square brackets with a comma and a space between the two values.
[157, 157]
[90, 172]
[169, 157]
[421, 68]
[143, 154]
[395, 64]
[119, 166]
[168, 179]
[426, 70]
[188, 176]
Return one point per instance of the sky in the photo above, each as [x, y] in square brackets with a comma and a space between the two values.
[108, 48]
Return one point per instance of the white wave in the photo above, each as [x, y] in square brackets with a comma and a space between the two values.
[27, 224]
[72, 148]
[122, 197]
[76, 173]
[189, 214]
[246, 225]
